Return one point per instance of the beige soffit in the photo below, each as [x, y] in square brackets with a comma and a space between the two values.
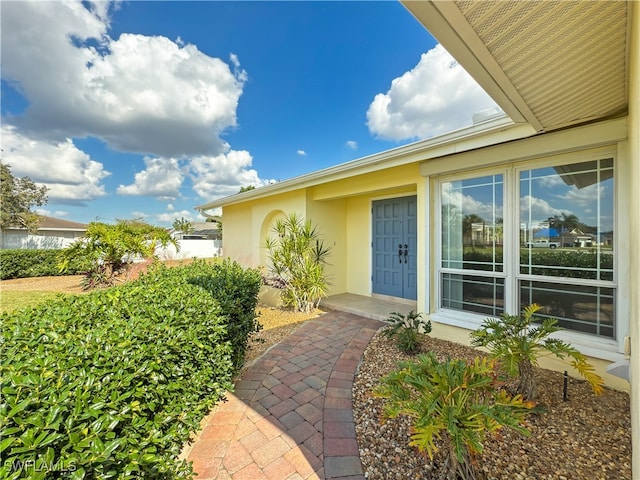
[490, 132]
[551, 64]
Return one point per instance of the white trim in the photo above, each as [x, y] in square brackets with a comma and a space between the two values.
[483, 134]
[604, 134]
[427, 249]
[589, 345]
[592, 345]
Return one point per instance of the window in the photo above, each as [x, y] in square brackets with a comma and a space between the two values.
[472, 252]
[532, 235]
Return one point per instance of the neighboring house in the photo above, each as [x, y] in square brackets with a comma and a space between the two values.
[568, 76]
[205, 241]
[52, 233]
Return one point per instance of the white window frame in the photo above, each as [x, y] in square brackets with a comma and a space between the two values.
[592, 345]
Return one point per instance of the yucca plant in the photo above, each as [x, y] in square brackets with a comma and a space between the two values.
[407, 330]
[453, 401]
[298, 256]
[517, 341]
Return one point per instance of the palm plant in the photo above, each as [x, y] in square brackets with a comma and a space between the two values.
[517, 341]
[454, 401]
[298, 256]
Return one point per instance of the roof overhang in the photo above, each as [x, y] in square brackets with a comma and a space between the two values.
[491, 132]
[550, 64]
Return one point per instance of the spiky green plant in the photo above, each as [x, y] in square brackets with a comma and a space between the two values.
[407, 330]
[518, 341]
[454, 401]
[298, 257]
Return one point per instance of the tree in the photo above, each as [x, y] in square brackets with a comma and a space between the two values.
[183, 225]
[298, 257]
[247, 188]
[517, 341]
[565, 223]
[19, 196]
[108, 250]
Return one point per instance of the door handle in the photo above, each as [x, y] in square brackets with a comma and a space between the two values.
[399, 253]
[406, 252]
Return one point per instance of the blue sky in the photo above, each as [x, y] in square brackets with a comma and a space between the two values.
[146, 109]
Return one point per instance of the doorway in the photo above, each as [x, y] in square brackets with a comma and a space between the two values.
[394, 247]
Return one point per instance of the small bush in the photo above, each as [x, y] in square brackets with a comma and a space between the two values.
[110, 384]
[407, 330]
[18, 263]
[452, 401]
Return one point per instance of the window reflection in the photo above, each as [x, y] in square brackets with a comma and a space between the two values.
[472, 224]
[566, 221]
[562, 239]
[473, 293]
[588, 309]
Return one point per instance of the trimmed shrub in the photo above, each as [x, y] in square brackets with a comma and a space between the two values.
[18, 263]
[236, 290]
[110, 384]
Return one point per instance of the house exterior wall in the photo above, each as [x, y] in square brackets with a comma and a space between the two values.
[329, 217]
[245, 226]
[190, 248]
[342, 211]
[21, 239]
[634, 234]
[607, 137]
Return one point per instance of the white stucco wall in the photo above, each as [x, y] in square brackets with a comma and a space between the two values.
[191, 249]
[44, 240]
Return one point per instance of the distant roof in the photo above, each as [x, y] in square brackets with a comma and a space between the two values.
[50, 223]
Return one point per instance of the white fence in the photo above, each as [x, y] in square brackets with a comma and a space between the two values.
[198, 248]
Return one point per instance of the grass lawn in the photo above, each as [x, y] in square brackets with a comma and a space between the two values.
[15, 300]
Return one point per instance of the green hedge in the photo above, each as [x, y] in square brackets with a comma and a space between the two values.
[110, 384]
[574, 263]
[33, 263]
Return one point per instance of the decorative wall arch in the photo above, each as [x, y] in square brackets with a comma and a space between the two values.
[266, 230]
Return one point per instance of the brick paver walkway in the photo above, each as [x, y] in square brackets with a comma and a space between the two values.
[290, 417]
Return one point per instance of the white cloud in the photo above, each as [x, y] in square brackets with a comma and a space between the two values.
[170, 217]
[538, 208]
[352, 144]
[162, 179]
[138, 93]
[69, 173]
[49, 213]
[583, 197]
[302, 153]
[435, 97]
[221, 175]
[467, 205]
[137, 214]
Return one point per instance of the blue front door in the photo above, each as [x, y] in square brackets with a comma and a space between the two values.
[394, 247]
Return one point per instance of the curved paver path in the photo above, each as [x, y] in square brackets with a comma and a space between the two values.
[291, 416]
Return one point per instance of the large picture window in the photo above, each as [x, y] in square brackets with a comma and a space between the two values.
[532, 235]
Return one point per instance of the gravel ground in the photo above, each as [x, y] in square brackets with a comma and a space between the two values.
[587, 437]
